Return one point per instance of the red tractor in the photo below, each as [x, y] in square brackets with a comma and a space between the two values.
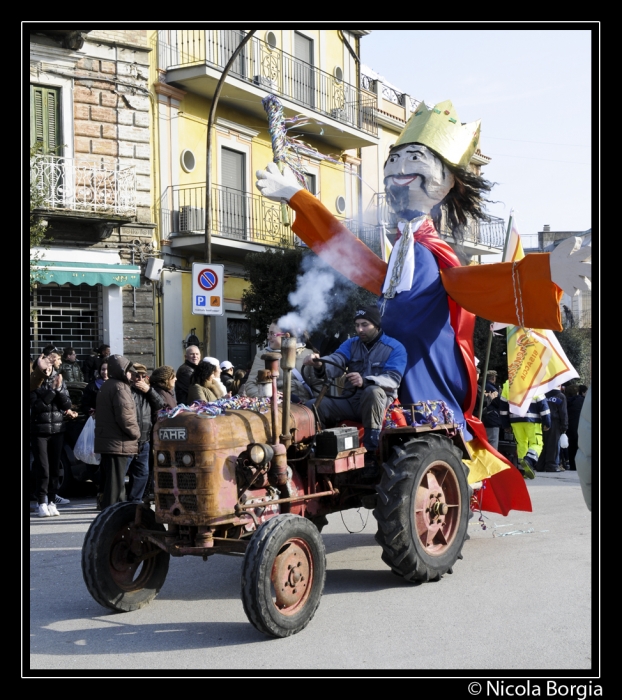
[262, 485]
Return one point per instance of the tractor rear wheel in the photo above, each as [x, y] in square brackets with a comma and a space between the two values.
[283, 575]
[121, 569]
[423, 508]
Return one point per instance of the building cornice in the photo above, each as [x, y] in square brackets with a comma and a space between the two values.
[239, 128]
[169, 91]
[53, 55]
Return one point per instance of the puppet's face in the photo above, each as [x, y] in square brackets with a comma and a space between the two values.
[415, 180]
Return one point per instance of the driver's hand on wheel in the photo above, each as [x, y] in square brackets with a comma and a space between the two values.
[313, 359]
[354, 378]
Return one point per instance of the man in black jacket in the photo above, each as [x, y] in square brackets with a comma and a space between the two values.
[549, 457]
[185, 372]
[491, 416]
[147, 401]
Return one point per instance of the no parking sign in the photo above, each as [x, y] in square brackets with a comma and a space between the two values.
[207, 289]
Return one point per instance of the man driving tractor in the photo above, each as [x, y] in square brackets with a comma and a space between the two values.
[375, 365]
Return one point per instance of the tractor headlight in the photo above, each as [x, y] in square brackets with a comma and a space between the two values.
[260, 454]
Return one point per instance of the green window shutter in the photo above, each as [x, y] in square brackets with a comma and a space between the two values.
[45, 119]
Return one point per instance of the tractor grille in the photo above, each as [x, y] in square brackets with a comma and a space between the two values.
[186, 482]
[165, 480]
[189, 502]
[166, 501]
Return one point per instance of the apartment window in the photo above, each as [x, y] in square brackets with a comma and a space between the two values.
[45, 119]
[232, 203]
[303, 70]
[311, 180]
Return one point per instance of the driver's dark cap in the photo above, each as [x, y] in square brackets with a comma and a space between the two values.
[369, 313]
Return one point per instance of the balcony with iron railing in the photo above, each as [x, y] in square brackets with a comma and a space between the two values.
[237, 216]
[269, 69]
[389, 93]
[84, 186]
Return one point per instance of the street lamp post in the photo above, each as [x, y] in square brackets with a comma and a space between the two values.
[207, 325]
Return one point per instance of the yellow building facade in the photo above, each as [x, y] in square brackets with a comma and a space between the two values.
[316, 75]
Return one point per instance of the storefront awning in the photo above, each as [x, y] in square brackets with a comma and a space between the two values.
[87, 273]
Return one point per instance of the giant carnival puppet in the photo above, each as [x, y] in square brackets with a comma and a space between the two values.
[428, 301]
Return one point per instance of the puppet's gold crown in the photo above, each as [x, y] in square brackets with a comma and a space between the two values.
[440, 129]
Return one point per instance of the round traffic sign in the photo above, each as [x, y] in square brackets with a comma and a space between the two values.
[208, 279]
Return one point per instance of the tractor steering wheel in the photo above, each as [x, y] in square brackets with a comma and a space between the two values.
[328, 382]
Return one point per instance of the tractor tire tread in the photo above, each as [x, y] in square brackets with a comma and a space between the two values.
[400, 551]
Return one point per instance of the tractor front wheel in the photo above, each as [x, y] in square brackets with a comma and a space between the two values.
[122, 570]
[283, 575]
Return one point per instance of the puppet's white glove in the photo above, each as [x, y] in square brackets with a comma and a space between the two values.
[280, 187]
[570, 268]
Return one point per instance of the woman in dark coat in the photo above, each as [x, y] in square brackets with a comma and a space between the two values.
[117, 431]
[91, 365]
[205, 384]
[49, 404]
[89, 395]
[163, 381]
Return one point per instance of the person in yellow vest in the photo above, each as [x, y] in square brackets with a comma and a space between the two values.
[526, 429]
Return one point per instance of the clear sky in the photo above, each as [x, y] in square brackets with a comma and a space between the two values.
[532, 89]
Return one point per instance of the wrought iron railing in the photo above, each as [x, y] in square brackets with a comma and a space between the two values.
[392, 94]
[84, 185]
[489, 233]
[237, 215]
[367, 82]
[389, 93]
[370, 234]
[271, 69]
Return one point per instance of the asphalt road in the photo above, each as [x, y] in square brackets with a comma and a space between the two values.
[519, 601]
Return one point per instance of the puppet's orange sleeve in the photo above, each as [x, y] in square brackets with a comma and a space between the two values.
[490, 292]
[332, 241]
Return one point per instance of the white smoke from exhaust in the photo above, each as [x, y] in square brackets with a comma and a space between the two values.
[311, 298]
[321, 284]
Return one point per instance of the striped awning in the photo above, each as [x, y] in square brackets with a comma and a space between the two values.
[87, 273]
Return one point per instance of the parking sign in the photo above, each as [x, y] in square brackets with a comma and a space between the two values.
[208, 289]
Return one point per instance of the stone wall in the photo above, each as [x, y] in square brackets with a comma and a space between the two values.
[112, 110]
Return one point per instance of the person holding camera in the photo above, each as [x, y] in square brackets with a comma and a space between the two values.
[50, 404]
